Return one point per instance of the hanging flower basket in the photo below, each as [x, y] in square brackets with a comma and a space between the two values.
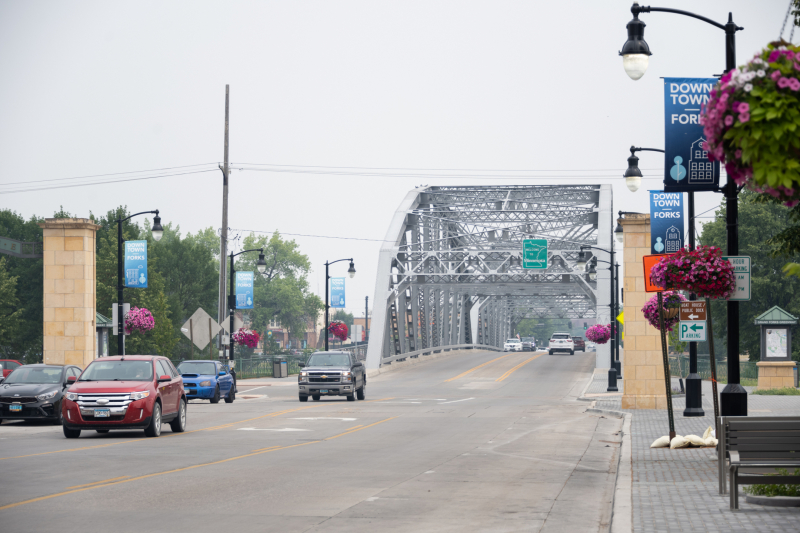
[139, 320]
[703, 272]
[752, 123]
[246, 337]
[672, 301]
[338, 329]
[599, 333]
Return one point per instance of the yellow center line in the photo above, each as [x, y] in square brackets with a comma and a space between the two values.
[201, 465]
[212, 428]
[477, 367]
[97, 482]
[504, 376]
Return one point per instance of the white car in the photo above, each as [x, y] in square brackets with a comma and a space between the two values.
[512, 345]
[561, 342]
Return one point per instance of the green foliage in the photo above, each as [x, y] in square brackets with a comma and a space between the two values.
[25, 341]
[775, 490]
[343, 316]
[10, 311]
[759, 224]
[674, 343]
[784, 391]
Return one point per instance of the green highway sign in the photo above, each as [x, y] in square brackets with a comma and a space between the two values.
[692, 331]
[534, 253]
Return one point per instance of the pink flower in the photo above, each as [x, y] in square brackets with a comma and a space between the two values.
[744, 107]
[789, 55]
[775, 75]
[773, 57]
[794, 84]
[723, 98]
[738, 154]
[744, 117]
[783, 83]
[729, 119]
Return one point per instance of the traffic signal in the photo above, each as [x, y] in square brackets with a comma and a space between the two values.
[584, 326]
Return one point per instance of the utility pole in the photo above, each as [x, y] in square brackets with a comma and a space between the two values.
[223, 238]
[366, 318]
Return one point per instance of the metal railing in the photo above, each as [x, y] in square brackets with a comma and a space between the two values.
[261, 367]
[436, 349]
[679, 367]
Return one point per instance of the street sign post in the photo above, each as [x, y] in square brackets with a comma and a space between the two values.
[692, 331]
[693, 311]
[534, 253]
[741, 269]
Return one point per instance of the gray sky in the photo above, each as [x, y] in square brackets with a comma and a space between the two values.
[108, 87]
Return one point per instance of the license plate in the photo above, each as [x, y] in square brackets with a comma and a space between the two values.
[102, 413]
[15, 408]
[324, 391]
[189, 391]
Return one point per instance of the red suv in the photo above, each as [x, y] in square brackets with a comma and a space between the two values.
[125, 392]
[8, 366]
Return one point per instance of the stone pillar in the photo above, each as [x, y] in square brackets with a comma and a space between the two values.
[69, 291]
[775, 374]
[642, 367]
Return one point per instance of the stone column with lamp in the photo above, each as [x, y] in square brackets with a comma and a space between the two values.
[776, 370]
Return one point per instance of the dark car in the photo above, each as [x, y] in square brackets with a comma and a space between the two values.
[528, 344]
[125, 392]
[34, 392]
[207, 380]
[580, 344]
[332, 374]
[8, 366]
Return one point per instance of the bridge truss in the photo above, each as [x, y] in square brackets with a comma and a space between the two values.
[451, 272]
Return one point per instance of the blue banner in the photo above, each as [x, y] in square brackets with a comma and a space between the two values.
[337, 292]
[244, 290]
[666, 222]
[686, 164]
[135, 264]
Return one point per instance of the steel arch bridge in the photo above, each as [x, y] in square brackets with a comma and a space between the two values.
[450, 272]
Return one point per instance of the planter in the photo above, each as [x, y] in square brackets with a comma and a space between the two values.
[671, 313]
[650, 309]
[702, 271]
[774, 501]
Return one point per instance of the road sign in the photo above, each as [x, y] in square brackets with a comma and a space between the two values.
[534, 253]
[741, 269]
[692, 311]
[621, 318]
[693, 331]
[200, 328]
[649, 262]
[237, 323]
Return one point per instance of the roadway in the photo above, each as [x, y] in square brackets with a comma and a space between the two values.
[484, 441]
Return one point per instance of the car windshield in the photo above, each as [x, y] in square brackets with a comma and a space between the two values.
[329, 359]
[197, 368]
[118, 371]
[567, 337]
[34, 375]
[512, 341]
[527, 339]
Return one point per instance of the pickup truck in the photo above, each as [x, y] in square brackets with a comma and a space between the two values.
[332, 373]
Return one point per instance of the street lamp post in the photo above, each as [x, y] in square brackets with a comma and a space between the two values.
[157, 231]
[261, 265]
[352, 272]
[635, 57]
[583, 258]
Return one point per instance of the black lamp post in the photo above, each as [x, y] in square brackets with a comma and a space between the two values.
[261, 265]
[583, 259]
[635, 56]
[158, 232]
[352, 272]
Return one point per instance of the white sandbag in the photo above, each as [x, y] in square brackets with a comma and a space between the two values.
[696, 441]
[711, 441]
[707, 432]
[678, 442]
[661, 442]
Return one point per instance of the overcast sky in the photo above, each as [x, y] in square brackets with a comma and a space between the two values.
[89, 88]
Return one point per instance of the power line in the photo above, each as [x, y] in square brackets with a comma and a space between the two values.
[307, 235]
[103, 175]
[105, 182]
[442, 169]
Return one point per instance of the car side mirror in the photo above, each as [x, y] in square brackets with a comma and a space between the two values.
[71, 379]
[164, 378]
[222, 373]
[301, 365]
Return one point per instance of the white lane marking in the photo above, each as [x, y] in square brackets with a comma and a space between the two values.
[372, 499]
[402, 402]
[456, 401]
[430, 472]
[280, 430]
[254, 388]
[431, 399]
[326, 418]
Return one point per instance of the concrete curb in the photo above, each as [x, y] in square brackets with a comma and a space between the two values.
[583, 397]
[622, 513]
[397, 365]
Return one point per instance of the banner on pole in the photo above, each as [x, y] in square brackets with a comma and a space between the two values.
[136, 264]
[666, 222]
[686, 164]
[337, 292]
[244, 290]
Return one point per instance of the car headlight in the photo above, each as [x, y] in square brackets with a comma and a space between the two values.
[72, 396]
[140, 395]
[47, 395]
[205, 383]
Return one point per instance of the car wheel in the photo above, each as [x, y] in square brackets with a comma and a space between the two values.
[351, 397]
[71, 433]
[303, 398]
[178, 425]
[154, 429]
[60, 420]
[215, 399]
[362, 392]
[315, 397]
[231, 395]
[102, 431]
[572, 352]
[550, 352]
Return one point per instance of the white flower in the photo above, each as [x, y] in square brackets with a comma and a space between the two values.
[761, 73]
[748, 87]
[757, 61]
[749, 76]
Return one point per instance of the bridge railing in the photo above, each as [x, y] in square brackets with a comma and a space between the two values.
[437, 349]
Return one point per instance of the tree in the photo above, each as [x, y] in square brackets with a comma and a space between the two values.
[541, 328]
[343, 316]
[10, 311]
[760, 226]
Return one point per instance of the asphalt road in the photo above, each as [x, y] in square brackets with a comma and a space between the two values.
[434, 447]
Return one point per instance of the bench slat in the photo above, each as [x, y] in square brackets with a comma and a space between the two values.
[761, 425]
[750, 455]
[773, 447]
[790, 436]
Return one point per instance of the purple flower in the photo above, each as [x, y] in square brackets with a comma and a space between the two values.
[783, 83]
[775, 75]
[738, 154]
[729, 120]
[744, 107]
[774, 56]
[794, 84]
[744, 117]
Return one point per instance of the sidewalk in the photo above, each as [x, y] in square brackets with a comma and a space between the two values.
[676, 490]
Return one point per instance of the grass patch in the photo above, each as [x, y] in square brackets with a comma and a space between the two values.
[785, 391]
[744, 382]
[775, 490]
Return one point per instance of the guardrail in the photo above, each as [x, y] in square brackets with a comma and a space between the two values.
[437, 349]
[261, 367]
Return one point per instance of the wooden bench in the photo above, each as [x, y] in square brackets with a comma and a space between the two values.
[757, 446]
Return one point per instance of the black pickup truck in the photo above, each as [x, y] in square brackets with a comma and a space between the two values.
[332, 373]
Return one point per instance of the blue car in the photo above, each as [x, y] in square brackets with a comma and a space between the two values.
[207, 380]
